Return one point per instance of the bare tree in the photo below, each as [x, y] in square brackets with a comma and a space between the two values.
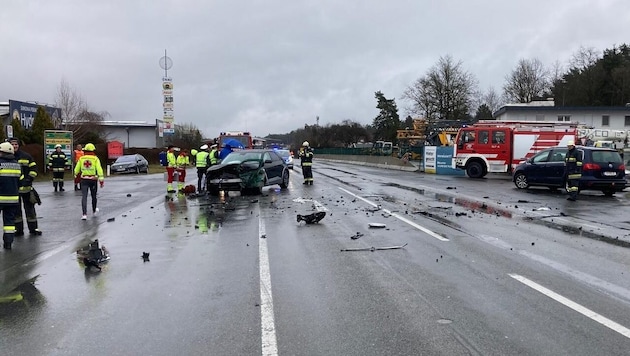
[528, 81]
[88, 126]
[584, 58]
[447, 92]
[71, 104]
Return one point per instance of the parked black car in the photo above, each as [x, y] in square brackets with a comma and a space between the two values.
[602, 169]
[247, 171]
[135, 163]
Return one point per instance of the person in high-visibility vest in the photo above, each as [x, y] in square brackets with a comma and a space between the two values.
[171, 164]
[183, 161]
[29, 172]
[90, 170]
[202, 161]
[214, 155]
[306, 161]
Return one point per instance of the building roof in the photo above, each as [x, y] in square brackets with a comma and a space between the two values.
[546, 108]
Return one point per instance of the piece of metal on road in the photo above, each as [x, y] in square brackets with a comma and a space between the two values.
[399, 217]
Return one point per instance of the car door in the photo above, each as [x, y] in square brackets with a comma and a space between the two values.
[555, 166]
[535, 170]
[273, 167]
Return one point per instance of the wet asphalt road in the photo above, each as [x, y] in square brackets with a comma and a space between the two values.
[486, 270]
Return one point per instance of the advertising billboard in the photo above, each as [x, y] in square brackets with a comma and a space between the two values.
[63, 138]
[25, 112]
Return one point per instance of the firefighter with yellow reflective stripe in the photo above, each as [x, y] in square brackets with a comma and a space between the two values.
[10, 172]
[91, 171]
[202, 161]
[57, 162]
[306, 161]
[573, 170]
[29, 172]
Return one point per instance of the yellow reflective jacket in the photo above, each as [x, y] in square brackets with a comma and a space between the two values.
[89, 166]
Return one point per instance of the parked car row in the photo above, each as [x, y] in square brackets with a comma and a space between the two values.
[603, 169]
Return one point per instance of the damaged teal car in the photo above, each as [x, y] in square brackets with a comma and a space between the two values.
[247, 171]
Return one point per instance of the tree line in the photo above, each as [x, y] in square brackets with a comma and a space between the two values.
[447, 91]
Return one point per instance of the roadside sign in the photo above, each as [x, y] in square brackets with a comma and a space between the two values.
[55, 137]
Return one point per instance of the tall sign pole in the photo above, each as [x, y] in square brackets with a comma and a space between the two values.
[168, 118]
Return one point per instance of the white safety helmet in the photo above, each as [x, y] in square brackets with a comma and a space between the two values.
[6, 147]
[305, 144]
[57, 146]
[204, 147]
[571, 143]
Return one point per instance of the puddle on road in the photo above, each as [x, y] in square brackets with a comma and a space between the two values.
[463, 202]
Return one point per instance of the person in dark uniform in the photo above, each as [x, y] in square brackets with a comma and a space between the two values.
[573, 170]
[57, 162]
[306, 161]
[10, 172]
[29, 172]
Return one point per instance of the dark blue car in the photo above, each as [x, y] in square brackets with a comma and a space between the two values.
[602, 169]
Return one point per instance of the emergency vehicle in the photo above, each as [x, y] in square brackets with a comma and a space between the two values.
[499, 146]
[245, 138]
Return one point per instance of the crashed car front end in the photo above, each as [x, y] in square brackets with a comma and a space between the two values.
[235, 176]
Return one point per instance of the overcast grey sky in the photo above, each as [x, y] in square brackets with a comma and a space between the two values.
[272, 66]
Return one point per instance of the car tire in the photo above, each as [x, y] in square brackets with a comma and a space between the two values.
[475, 170]
[520, 181]
[608, 193]
[285, 179]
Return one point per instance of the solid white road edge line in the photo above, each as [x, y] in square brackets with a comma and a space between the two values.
[573, 305]
[401, 218]
[267, 322]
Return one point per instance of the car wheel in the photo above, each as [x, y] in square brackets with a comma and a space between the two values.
[474, 170]
[608, 193]
[520, 180]
[285, 179]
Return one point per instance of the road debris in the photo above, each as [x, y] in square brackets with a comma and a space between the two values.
[542, 208]
[93, 255]
[356, 236]
[377, 225]
[372, 249]
[311, 218]
[145, 256]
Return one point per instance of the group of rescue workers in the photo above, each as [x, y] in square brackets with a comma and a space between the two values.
[177, 161]
[17, 171]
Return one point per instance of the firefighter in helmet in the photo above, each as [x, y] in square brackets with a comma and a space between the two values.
[57, 162]
[573, 170]
[29, 172]
[306, 161]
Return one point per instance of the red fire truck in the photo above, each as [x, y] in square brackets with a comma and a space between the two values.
[244, 138]
[498, 146]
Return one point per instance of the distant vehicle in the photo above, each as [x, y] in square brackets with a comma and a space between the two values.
[498, 147]
[135, 163]
[382, 148]
[287, 156]
[247, 171]
[602, 169]
[244, 138]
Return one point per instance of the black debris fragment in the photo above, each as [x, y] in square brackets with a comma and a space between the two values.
[111, 219]
[311, 218]
[128, 195]
[145, 256]
[356, 236]
[451, 187]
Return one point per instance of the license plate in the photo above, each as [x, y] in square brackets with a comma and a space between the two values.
[609, 174]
